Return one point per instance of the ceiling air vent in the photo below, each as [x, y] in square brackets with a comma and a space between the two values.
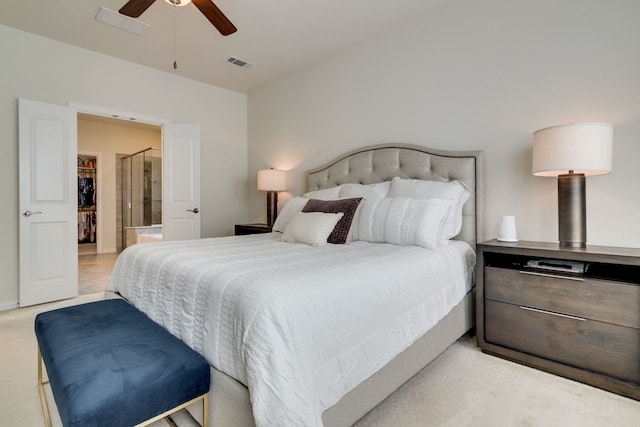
[239, 62]
[115, 19]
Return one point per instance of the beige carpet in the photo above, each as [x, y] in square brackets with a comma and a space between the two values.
[463, 387]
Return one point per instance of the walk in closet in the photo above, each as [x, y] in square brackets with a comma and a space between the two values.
[87, 219]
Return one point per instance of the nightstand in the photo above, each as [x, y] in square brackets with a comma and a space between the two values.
[242, 229]
[569, 311]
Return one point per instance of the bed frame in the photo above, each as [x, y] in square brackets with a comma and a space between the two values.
[229, 399]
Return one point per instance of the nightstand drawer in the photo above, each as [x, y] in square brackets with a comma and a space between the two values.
[582, 343]
[606, 301]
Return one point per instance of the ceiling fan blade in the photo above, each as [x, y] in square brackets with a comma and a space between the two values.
[215, 16]
[135, 8]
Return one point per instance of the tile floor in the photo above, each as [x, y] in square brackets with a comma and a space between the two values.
[94, 271]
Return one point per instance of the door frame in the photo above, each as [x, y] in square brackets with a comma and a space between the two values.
[117, 114]
[142, 118]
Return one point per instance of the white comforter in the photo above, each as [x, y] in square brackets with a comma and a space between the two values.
[300, 326]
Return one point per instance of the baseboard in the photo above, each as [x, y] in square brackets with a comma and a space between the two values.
[9, 306]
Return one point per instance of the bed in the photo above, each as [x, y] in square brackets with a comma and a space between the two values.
[311, 346]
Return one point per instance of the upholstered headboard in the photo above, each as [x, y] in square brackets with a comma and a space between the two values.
[378, 163]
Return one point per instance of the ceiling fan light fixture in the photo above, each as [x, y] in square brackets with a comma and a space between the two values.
[178, 2]
[135, 8]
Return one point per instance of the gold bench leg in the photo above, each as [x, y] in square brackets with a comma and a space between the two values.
[205, 412]
[43, 398]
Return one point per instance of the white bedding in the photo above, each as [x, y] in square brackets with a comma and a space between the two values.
[300, 326]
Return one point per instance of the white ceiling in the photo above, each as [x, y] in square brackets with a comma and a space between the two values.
[278, 36]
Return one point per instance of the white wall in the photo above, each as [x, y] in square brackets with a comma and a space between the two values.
[474, 75]
[45, 70]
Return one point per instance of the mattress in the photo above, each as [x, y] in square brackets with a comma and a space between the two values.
[300, 326]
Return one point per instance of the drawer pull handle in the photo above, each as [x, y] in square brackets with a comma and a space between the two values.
[535, 273]
[553, 313]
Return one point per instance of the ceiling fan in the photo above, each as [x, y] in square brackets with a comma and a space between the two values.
[135, 8]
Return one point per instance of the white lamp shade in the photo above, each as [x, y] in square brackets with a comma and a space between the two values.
[579, 147]
[272, 180]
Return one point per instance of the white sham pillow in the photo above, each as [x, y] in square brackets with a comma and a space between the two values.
[366, 191]
[292, 207]
[311, 228]
[332, 193]
[403, 221]
[456, 191]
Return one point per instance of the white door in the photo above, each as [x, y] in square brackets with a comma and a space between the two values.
[181, 182]
[48, 202]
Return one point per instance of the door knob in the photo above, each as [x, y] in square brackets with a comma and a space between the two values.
[194, 210]
[28, 213]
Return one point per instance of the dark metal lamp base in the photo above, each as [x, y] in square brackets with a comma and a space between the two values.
[572, 212]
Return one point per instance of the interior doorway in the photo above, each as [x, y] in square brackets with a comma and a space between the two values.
[106, 139]
[48, 147]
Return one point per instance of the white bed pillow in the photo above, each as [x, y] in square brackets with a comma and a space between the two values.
[292, 207]
[366, 191]
[403, 221]
[311, 228]
[332, 193]
[456, 191]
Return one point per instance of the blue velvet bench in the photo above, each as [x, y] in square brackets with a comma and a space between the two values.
[108, 364]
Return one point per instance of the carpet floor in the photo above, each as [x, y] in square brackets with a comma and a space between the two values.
[463, 387]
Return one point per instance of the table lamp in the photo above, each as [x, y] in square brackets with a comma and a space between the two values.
[571, 152]
[272, 181]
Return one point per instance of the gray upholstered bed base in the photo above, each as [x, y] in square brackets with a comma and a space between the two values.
[366, 396]
[229, 403]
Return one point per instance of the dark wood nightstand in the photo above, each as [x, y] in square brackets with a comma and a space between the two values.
[242, 229]
[581, 323]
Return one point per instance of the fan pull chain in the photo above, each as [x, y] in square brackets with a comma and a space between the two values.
[175, 37]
